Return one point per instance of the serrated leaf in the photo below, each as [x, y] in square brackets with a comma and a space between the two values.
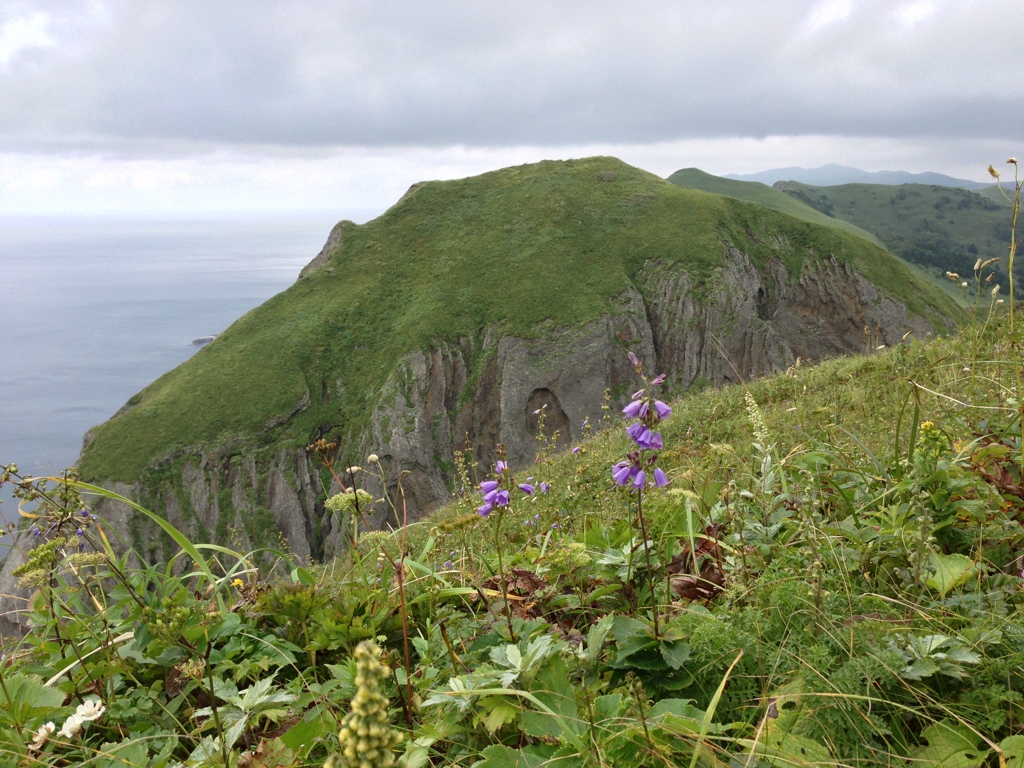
[498, 756]
[920, 669]
[675, 653]
[500, 711]
[950, 571]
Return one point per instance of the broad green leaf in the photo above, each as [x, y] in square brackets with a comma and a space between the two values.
[305, 734]
[498, 756]
[950, 745]
[950, 571]
[675, 653]
[1013, 751]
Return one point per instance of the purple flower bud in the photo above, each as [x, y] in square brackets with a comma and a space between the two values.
[80, 532]
[659, 380]
[660, 478]
[447, 563]
[85, 513]
[555, 526]
[633, 358]
[500, 467]
[526, 488]
[576, 449]
[36, 531]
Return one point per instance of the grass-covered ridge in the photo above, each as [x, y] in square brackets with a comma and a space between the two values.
[519, 251]
[762, 194]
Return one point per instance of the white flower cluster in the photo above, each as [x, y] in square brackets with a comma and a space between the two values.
[91, 709]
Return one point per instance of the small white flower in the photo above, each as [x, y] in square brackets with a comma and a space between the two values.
[41, 736]
[995, 290]
[90, 710]
[71, 726]
[963, 284]
[373, 458]
[354, 470]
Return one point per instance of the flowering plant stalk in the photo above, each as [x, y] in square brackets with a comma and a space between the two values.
[640, 468]
[497, 494]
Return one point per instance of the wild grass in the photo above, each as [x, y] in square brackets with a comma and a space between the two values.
[834, 568]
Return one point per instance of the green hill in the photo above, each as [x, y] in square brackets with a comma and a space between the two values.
[756, 192]
[940, 227]
[522, 250]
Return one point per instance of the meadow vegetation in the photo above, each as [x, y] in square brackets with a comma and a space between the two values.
[819, 568]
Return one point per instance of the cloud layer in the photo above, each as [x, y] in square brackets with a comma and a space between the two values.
[170, 81]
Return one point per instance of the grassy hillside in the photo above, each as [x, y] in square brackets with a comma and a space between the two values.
[831, 576]
[521, 250]
[755, 192]
[940, 227]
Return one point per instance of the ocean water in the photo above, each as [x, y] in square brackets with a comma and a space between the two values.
[92, 309]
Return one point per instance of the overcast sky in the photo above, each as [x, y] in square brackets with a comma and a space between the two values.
[146, 105]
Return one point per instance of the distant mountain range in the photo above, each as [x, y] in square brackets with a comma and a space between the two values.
[832, 174]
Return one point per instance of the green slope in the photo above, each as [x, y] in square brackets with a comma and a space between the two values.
[755, 192]
[520, 251]
[940, 227]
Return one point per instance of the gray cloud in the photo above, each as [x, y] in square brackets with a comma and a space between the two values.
[141, 77]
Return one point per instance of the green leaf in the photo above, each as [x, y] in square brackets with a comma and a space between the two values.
[950, 571]
[498, 756]
[126, 754]
[553, 688]
[675, 652]
[1013, 751]
[310, 730]
[949, 746]
[500, 711]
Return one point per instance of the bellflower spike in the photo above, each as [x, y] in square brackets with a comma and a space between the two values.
[645, 439]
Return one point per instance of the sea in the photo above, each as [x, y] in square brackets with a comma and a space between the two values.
[94, 308]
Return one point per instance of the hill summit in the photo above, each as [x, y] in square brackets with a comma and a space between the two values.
[467, 309]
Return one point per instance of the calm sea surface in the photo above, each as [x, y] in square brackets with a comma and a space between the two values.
[94, 309]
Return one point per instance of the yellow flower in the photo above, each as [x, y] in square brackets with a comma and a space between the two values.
[238, 583]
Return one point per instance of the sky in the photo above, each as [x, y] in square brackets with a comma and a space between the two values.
[122, 106]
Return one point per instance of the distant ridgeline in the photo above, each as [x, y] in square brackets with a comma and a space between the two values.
[942, 227]
[467, 306]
